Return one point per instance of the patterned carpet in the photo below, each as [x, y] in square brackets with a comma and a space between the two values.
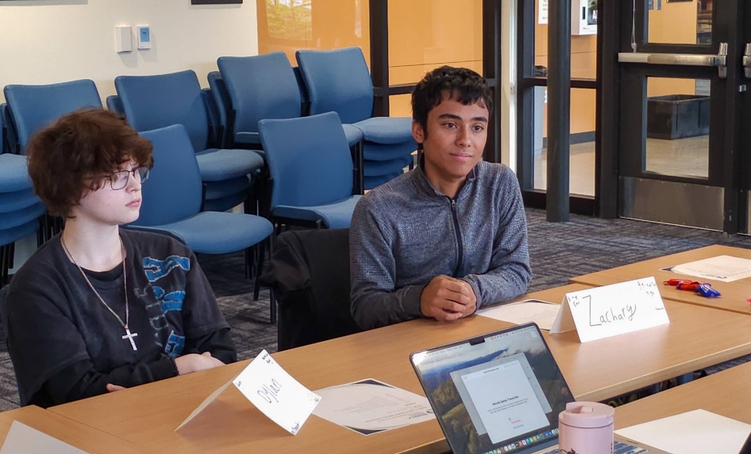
[558, 251]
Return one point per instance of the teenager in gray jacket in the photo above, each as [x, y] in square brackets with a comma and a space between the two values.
[450, 236]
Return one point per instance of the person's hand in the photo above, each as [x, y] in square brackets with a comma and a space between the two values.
[194, 362]
[112, 388]
[446, 298]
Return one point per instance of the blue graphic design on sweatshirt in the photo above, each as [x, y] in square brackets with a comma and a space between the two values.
[157, 269]
[170, 296]
[172, 301]
[175, 345]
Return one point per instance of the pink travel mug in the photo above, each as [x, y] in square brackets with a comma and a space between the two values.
[585, 428]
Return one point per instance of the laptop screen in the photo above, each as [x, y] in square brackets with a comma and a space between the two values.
[497, 393]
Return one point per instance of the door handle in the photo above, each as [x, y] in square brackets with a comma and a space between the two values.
[747, 61]
[719, 60]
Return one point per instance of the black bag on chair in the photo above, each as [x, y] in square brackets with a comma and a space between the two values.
[309, 277]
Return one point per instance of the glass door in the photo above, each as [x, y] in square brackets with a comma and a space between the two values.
[675, 134]
[745, 139]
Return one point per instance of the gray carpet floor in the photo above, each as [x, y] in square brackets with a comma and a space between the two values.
[558, 251]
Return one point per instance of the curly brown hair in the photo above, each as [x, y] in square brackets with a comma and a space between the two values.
[460, 84]
[78, 152]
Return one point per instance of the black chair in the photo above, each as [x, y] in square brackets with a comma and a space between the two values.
[309, 278]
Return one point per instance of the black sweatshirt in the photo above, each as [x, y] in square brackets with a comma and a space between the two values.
[64, 343]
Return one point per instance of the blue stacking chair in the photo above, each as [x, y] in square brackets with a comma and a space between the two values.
[339, 81]
[114, 104]
[33, 107]
[311, 171]
[9, 143]
[152, 102]
[212, 112]
[264, 87]
[20, 208]
[172, 203]
[223, 105]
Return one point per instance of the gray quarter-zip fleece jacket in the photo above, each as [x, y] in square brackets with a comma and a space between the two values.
[405, 232]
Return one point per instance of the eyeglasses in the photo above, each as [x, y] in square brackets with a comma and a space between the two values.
[119, 180]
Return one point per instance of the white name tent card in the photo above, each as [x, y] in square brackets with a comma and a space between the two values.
[279, 396]
[611, 310]
[273, 391]
[24, 439]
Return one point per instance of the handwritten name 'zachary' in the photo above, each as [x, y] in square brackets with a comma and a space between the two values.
[611, 315]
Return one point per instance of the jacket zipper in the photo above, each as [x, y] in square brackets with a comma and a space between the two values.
[460, 248]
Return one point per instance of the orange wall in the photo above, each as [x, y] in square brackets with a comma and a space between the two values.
[426, 34]
[675, 23]
[583, 66]
[313, 24]
[423, 34]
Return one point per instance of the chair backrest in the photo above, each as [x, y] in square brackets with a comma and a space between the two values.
[222, 102]
[115, 104]
[262, 86]
[4, 145]
[174, 190]
[212, 112]
[303, 91]
[34, 107]
[337, 81]
[309, 272]
[153, 102]
[309, 160]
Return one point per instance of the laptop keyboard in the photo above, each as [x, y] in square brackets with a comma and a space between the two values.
[619, 447]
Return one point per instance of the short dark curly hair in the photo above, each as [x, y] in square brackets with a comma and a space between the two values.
[77, 152]
[460, 84]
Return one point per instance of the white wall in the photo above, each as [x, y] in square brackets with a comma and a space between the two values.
[47, 41]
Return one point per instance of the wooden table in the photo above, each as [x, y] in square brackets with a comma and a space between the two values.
[734, 294]
[726, 393]
[66, 430]
[148, 414]
[697, 337]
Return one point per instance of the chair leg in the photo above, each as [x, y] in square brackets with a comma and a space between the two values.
[253, 199]
[3, 265]
[259, 268]
[6, 262]
[272, 308]
[358, 162]
[248, 263]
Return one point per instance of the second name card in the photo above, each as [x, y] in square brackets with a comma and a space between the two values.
[610, 310]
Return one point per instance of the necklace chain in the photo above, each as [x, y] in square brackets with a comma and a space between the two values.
[128, 335]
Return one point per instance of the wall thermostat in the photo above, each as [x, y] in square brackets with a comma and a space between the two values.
[143, 32]
[122, 39]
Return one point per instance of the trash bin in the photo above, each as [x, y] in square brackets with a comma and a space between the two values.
[677, 116]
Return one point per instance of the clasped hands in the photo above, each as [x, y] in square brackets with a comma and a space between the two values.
[446, 298]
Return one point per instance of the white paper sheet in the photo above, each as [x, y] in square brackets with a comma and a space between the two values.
[722, 268]
[541, 312]
[694, 432]
[22, 439]
[370, 406]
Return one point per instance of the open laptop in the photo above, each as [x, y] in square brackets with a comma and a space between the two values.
[499, 393]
